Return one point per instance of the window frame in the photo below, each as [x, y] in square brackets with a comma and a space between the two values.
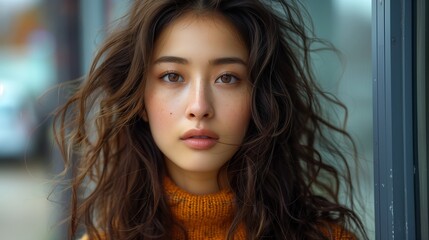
[394, 119]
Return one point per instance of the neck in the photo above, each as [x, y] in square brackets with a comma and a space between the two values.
[198, 183]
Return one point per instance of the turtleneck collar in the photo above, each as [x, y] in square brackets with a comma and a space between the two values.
[202, 216]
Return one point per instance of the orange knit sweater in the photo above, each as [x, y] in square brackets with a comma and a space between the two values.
[210, 216]
[202, 216]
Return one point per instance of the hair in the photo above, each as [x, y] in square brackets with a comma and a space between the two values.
[284, 175]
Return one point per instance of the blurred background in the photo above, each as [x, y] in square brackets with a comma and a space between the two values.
[46, 42]
[42, 44]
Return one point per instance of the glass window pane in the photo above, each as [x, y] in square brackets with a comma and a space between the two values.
[347, 25]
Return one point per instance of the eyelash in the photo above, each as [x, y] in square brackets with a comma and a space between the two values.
[228, 75]
[218, 79]
[166, 74]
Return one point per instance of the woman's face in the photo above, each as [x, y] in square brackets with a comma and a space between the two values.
[197, 95]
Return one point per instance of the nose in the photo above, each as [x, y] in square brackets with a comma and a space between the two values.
[200, 105]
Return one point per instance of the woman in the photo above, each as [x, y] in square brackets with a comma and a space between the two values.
[201, 119]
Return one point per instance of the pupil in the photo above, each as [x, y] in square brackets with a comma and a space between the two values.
[225, 78]
[172, 77]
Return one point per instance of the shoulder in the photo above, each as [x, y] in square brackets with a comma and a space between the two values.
[333, 232]
[337, 232]
[84, 237]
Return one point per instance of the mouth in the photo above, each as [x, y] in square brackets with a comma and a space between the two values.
[200, 139]
[199, 134]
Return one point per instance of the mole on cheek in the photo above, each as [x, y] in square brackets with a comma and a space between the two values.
[171, 113]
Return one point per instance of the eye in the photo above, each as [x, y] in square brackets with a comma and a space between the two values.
[227, 78]
[172, 77]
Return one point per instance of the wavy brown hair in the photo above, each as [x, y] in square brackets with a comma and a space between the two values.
[285, 175]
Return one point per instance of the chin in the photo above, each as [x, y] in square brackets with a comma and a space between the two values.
[200, 165]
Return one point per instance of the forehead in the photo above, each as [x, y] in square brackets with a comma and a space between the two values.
[205, 34]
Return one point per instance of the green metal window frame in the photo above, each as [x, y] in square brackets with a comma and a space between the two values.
[394, 118]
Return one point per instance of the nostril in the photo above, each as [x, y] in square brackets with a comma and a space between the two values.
[206, 115]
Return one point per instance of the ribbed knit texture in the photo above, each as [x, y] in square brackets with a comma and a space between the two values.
[202, 216]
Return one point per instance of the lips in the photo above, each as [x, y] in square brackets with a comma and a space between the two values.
[200, 139]
[200, 133]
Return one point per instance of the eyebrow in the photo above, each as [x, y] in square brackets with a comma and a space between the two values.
[217, 61]
[171, 59]
[228, 60]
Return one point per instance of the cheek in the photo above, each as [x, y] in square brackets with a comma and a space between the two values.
[236, 114]
[157, 108]
[159, 113]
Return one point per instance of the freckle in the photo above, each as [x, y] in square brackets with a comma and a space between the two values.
[171, 113]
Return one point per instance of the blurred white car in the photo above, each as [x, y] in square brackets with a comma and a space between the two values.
[17, 120]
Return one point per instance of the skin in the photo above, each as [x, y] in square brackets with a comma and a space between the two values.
[198, 80]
